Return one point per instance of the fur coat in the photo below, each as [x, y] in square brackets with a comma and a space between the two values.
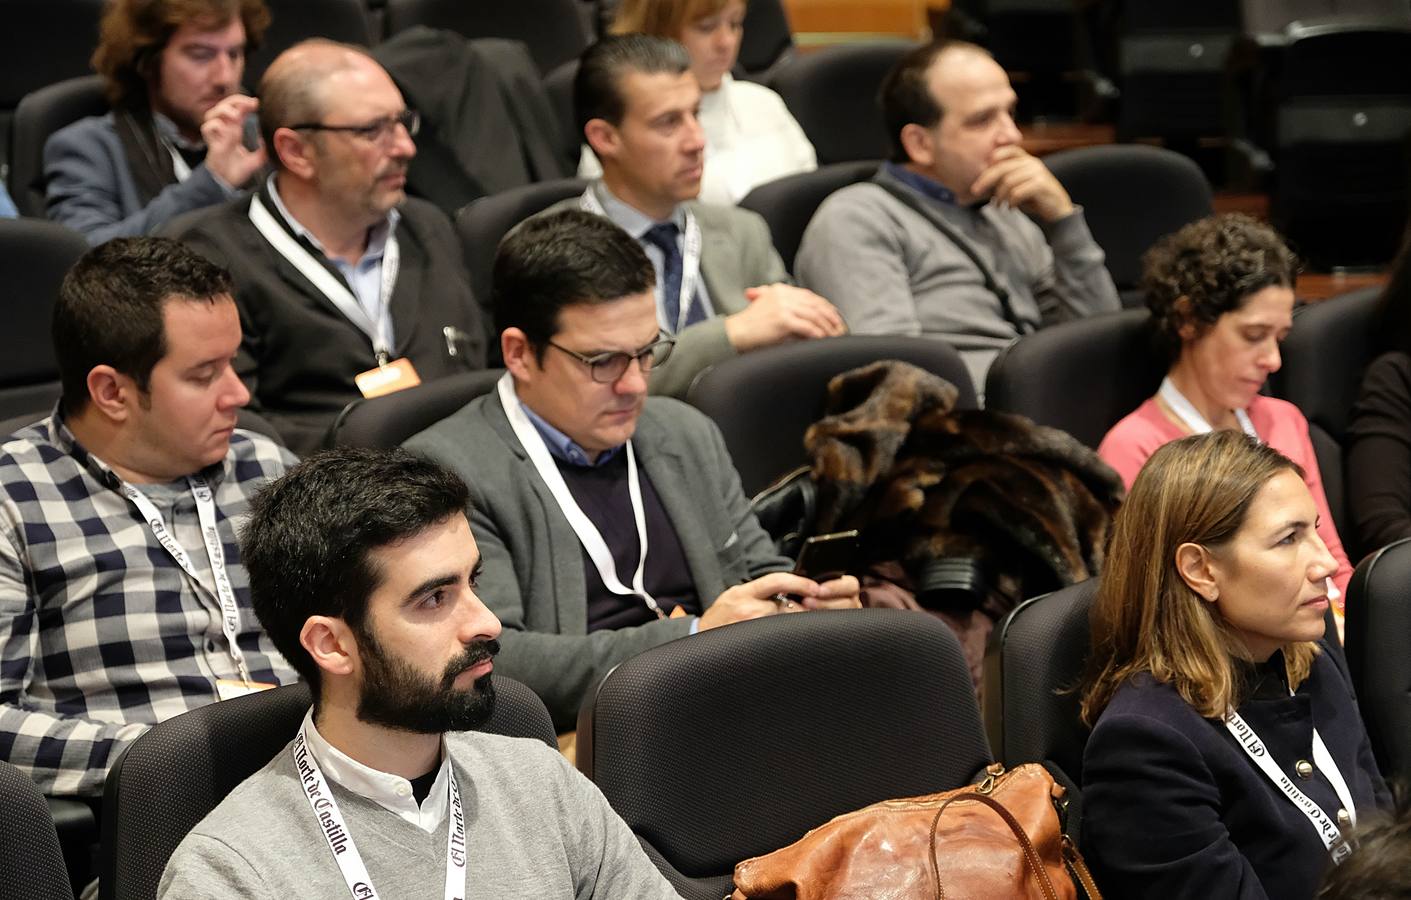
[1025, 509]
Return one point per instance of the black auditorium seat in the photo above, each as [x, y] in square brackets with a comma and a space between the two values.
[1081, 376]
[42, 42]
[1131, 196]
[35, 254]
[39, 115]
[1338, 329]
[31, 865]
[736, 741]
[292, 21]
[1377, 628]
[788, 203]
[552, 29]
[180, 770]
[832, 92]
[764, 429]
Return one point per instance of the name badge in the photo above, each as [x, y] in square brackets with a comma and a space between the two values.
[397, 375]
[228, 690]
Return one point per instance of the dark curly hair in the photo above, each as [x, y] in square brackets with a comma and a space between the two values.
[1209, 268]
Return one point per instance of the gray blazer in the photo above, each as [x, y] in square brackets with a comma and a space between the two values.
[89, 186]
[737, 252]
[533, 577]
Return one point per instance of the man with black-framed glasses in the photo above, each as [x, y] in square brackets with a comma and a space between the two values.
[608, 522]
[346, 286]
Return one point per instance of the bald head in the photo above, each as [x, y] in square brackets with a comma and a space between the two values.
[302, 81]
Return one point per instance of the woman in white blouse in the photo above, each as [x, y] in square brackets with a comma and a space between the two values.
[751, 137]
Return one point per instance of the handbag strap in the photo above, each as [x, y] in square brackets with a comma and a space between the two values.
[1079, 869]
[1031, 856]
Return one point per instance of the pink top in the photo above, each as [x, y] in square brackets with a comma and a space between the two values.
[1277, 422]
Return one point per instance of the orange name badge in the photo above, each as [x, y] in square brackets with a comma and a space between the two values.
[227, 689]
[397, 375]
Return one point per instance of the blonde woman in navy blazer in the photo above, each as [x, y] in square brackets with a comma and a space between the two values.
[1227, 755]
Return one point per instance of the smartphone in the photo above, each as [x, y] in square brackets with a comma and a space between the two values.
[827, 556]
[250, 132]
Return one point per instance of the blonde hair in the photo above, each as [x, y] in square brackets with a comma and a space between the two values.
[1146, 618]
[662, 18]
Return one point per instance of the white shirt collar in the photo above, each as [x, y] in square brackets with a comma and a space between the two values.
[391, 792]
[376, 238]
[629, 218]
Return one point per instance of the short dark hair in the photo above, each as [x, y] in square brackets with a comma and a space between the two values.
[306, 542]
[1208, 268]
[905, 95]
[597, 88]
[1377, 869]
[109, 309]
[559, 259]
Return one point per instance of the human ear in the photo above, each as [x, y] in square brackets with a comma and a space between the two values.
[109, 391]
[331, 644]
[1198, 571]
[293, 153]
[601, 136]
[1187, 330]
[518, 354]
[917, 142]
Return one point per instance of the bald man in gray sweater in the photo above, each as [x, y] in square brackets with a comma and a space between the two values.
[963, 236]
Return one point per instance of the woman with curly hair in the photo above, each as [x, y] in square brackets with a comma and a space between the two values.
[1220, 292]
[1227, 758]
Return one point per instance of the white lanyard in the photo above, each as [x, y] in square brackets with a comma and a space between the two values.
[588, 535]
[1187, 413]
[215, 552]
[378, 330]
[340, 841]
[690, 262]
[1327, 829]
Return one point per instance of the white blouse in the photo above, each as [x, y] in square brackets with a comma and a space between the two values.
[751, 138]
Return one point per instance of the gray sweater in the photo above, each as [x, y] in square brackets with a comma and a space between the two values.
[890, 271]
[535, 829]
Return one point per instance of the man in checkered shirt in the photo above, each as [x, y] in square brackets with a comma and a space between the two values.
[122, 598]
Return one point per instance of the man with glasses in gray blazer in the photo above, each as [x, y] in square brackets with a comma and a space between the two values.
[609, 522]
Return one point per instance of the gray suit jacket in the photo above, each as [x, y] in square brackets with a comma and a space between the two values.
[89, 186]
[737, 252]
[533, 577]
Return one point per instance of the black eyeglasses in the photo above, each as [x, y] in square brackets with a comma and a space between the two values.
[608, 367]
[380, 131]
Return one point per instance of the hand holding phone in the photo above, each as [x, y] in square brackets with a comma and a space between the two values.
[250, 132]
[828, 556]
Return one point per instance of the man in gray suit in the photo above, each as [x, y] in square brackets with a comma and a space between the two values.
[173, 140]
[608, 523]
[720, 283]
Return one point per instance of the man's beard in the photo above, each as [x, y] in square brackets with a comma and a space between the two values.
[398, 696]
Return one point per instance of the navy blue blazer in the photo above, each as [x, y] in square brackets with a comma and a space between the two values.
[1173, 807]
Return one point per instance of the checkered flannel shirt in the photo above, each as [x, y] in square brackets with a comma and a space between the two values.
[102, 634]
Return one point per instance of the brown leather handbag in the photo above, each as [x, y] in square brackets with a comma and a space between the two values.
[1000, 838]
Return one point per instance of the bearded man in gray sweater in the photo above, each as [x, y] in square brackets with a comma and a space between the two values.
[963, 235]
[363, 570]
